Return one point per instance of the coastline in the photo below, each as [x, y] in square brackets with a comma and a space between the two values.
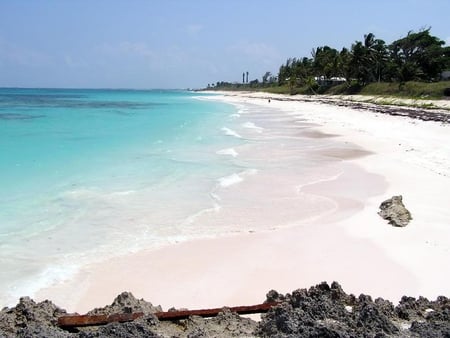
[351, 245]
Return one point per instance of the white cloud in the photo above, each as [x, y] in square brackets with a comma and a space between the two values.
[447, 41]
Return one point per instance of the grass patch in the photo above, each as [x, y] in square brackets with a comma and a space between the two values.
[276, 90]
[416, 90]
[411, 90]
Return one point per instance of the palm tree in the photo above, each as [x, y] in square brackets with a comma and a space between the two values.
[325, 61]
[285, 72]
[344, 66]
[358, 62]
[376, 57]
[368, 59]
[380, 56]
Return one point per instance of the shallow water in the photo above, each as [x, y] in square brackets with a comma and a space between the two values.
[90, 174]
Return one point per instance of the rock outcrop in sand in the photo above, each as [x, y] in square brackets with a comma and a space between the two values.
[395, 212]
[321, 311]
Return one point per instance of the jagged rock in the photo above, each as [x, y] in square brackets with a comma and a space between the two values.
[31, 319]
[126, 303]
[226, 324]
[274, 296]
[395, 212]
[429, 319]
[138, 328]
[321, 311]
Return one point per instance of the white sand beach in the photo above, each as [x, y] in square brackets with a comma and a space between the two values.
[345, 240]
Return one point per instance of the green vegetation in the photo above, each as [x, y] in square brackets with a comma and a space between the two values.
[414, 89]
[411, 89]
[408, 67]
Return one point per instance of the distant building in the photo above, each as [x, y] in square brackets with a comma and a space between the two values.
[323, 81]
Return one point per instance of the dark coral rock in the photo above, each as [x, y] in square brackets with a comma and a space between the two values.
[31, 319]
[137, 328]
[395, 212]
[327, 311]
[369, 318]
[321, 311]
[274, 296]
[126, 303]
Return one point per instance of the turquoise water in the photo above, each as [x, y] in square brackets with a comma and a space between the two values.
[87, 174]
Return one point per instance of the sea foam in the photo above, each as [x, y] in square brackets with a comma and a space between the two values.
[251, 125]
[235, 178]
[228, 151]
[230, 132]
[227, 181]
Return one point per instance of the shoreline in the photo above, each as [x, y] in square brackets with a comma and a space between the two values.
[375, 103]
[353, 246]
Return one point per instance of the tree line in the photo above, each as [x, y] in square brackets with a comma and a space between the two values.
[415, 57]
[419, 56]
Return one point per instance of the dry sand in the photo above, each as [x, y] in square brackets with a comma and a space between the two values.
[351, 244]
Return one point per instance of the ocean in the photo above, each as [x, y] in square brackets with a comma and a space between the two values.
[88, 175]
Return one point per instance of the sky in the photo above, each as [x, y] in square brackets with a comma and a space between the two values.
[146, 44]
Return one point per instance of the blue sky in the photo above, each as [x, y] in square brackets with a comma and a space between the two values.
[187, 43]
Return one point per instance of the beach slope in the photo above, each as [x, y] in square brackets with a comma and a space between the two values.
[375, 156]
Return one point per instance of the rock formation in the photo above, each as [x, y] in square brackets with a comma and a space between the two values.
[395, 212]
[321, 311]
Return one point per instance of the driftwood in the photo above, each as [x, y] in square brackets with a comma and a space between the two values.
[88, 320]
[242, 310]
[72, 321]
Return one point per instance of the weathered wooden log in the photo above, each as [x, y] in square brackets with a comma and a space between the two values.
[88, 320]
[242, 310]
[71, 321]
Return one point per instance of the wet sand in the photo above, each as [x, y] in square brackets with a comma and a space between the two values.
[322, 226]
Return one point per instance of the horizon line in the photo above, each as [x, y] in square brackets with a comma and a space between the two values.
[97, 88]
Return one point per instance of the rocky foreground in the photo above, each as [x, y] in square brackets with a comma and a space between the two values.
[321, 311]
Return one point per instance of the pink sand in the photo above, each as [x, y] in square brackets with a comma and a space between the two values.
[350, 244]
